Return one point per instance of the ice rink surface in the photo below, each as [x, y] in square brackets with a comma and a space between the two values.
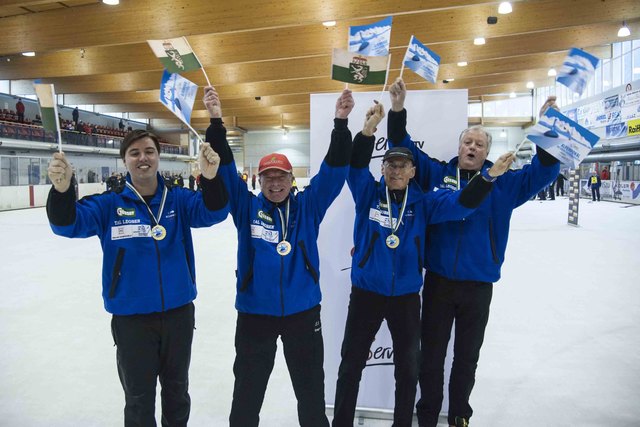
[560, 347]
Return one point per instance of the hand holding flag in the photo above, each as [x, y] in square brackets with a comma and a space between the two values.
[344, 104]
[60, 172]
[212, 102]
[398, 93]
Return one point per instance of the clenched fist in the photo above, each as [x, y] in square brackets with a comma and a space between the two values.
[208, 160]
[373, 118]
[398, 93]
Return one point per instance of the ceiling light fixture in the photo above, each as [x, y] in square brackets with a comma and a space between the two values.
[28, 53]
[624, 30]
[530, 85]
[504, 8]
[479, 41]
[512, 95]
[329, 23]
[462, 64]
[552, 72]
[111, 2]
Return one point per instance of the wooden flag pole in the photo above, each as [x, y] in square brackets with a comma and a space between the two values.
[519, 146]
[196, 133]
[386, 76]
[55, 113]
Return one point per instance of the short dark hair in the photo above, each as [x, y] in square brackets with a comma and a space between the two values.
[135, 135]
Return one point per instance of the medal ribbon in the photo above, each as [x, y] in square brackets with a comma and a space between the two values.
[164, 199]
[284, 222]
[400, 214]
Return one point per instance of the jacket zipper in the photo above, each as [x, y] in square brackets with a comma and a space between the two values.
[455, 264]
[281, 286]
[159, 274]
[393, 274]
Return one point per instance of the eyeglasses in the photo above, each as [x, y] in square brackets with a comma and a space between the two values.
[397, 166]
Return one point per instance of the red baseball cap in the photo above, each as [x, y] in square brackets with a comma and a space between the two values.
[274, 161]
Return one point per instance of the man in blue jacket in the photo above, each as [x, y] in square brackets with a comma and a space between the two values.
[594, 183]
[148, 269]
[386, 275]
[463, 258]
[278, 292]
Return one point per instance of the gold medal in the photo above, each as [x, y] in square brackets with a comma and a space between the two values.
[283, 248]
[158, 232]
[392, 241]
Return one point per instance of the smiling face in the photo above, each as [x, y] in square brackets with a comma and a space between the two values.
[397, 172]
[276, 184]
[473, 149]
[142, 159]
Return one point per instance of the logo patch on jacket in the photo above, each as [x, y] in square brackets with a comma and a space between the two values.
[450, 182]
[265, 216]
[126, 211]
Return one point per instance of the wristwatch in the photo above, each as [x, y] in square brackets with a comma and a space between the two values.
[487, 177]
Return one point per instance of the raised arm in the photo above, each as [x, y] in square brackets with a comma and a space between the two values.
[327, 183]
[360, 180]
[216, 136]
[66, 217]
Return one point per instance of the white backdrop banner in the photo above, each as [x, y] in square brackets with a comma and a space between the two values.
[435, 120]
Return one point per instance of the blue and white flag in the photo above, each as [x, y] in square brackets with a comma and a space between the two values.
[422, 60]
[563, 138]
[577, 69]
[372, 39]
[178, 95]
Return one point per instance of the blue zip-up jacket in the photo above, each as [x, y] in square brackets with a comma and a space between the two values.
[139, 274]
[268, 283]
[376, 267]
[473, 248]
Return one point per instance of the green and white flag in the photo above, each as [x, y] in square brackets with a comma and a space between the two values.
[48, 109]
[176, 55]
[350, 67]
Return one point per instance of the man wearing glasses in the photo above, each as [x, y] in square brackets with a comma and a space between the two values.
[463, 257]
[386, 271]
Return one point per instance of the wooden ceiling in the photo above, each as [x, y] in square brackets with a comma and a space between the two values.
[279, 50]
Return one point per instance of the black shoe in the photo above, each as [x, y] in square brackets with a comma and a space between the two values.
[462, 422]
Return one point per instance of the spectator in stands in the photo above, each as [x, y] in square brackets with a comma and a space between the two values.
[605, 175]
[76, 115]
[121, 125]
[20, 110]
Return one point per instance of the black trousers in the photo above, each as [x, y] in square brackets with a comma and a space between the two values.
[595, 191]
[366, 312]
[444, 301]
[152, 346]
[255, 342]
